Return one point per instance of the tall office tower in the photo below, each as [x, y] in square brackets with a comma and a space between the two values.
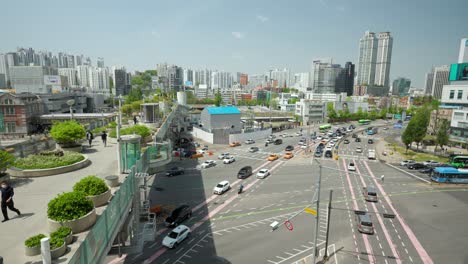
[326, 77]
[384, 58]
[54, 62]
[188, 77]
[238, 76]
[100, 62]
[441, 77]
[367, 59]
[428, 83]
[401, 86]
[348, 78]
[463, 55]
[120, 81]
[4, 69]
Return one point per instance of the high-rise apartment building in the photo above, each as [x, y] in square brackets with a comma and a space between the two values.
[82, 74]
[71, 75]
[257, 80]
[282, 76]
[401, 86]
[120, 81]
[188, 77]
[301, 81]
[221, 79]
[463, 54]
[435, 81]
[202, 77]
[428, 83]
[375, 54]
[100, 62]
[326, 77]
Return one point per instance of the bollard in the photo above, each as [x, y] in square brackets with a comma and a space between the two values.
[45, 251]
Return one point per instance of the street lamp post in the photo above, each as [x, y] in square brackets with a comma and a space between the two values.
[70, 103]
[119, 123]
[319, 180]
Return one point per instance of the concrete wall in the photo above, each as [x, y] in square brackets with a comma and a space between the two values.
[261, 134]
[203, 135]
[32, 146]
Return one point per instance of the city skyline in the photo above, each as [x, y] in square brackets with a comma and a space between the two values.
[241, 39]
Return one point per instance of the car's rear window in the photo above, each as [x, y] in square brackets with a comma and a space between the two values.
[173, 234]
[365, 223]
[372, 193]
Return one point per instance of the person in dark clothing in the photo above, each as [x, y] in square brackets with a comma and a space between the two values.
[104, 138]
[135, 120]
[7, 201]
[89, 137]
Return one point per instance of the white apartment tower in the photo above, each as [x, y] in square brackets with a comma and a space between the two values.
[463, 55]
[384, 57]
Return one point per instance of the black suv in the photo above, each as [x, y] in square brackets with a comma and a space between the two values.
[289, 148]
[328, 154]
[244, 172]
[175, 171]
[358, 139]
[178, 215]
[416, 166]
[278, 142]
[370, 141]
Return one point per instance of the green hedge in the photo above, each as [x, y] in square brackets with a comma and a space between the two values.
[34, 241]
[69, 206]
[141, 130]
[62, 232]
[32, 162]
[91, 186]
[68, 133]
[56, 242]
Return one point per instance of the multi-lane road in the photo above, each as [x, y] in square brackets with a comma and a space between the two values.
[232, 228]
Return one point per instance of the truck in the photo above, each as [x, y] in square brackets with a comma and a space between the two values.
[371, 154]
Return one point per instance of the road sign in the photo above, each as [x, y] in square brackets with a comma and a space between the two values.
[310, 211]
[289, 225]
[397, 116]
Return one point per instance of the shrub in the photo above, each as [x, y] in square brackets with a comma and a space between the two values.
[91, 186]
[34, 241]
[39, 161]
[68, 133]
[141, 130]
[6, 160]
[69, 206]
[62, 232]
[56, 242]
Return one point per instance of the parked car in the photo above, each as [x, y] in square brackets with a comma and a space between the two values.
[351, 167]
[208, 163]
[346, 141]
[175, 171]
[229, 160]
[370, 141]
[176, 236]
[328, 154]
[432, 163]
[298, 134]
[359, 150]
[263, 173]
[288, 155]
[357, 139]
[253, 149]
[407, 162]
[318, 154]
[178, 215]
[331, 143]
[223, 155]
[270, 140]
[427, 170]
[272, 157]
[416, 166]
[235, 144]
[245, 172]
[249, 141]
[289, 148]
[278, 141]
[222, 187]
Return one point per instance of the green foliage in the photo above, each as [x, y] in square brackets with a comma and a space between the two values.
[6, 160]
[421, 120]
[36, 161]
[141, 130]
[218, 99]
[331, 111]
[91, 186]
[127, 109]
[292, 100]
[135, 94]
[56, 242]
[136, 106]
[67, 133]
[62, 232]
[34, 241]
[69, 206]
[191, 99]
[408, 137]
[442, 136]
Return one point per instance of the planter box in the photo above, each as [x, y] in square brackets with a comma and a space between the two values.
[69, 239]
[20, 173]
[78, 149]
[112, 181]
[78, 225]
[101, 199]
[32, 251]
[58, 252]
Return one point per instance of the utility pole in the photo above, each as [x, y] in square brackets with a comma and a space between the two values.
[119, 123]
[325, 257]
[319, 180]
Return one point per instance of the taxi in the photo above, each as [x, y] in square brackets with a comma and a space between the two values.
[235, 144]
[273, 157]
[288, 155]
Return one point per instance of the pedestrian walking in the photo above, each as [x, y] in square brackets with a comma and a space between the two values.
[89, 137]
[104, 138]
[7, 200]
[382, 178]
[135, 120]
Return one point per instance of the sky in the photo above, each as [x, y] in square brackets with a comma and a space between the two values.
[238, 35]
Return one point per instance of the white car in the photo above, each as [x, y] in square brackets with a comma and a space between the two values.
[229, 160]
[339, 137]
[222, 187]
[208, 163]
[223, 155]
[319, 138]
[249, 141]
[431, 163]
[359, 150]
[407, 162]
[351, 167]
[176, 236]
[261, 174]
[331, 143]
[304, 146]
[328, 148]
[298, 134]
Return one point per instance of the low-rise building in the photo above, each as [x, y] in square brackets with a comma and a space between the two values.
[459, 126]
[444, 112]
[455, 94]
[311, 111]
[222, 117]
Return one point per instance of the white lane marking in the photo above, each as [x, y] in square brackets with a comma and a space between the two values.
[191, 240]
[412, 175]
[177, 252]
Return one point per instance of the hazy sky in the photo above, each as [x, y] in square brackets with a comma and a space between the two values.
[238, 35]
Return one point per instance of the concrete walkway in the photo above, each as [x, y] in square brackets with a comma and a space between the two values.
[33, 194]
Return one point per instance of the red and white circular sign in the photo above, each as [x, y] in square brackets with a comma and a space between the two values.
[289, 225]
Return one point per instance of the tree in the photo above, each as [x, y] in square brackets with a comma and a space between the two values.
[435, 104]
[331, 111]
[442, 136]
[67, 133]
[136, 106]
[6, 160]
[218, 99]
[408, 137]
[135, 94]
[191, 99]
[421, 121]
[127, 109]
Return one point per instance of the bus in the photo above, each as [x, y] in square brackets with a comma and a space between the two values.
[459, 161]
[324, 127]
[449, 175]
[371, 131]
[364, 121]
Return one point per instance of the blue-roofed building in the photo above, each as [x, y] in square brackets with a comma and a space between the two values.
[221, 117]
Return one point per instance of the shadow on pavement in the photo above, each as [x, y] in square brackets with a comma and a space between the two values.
[18, 182]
